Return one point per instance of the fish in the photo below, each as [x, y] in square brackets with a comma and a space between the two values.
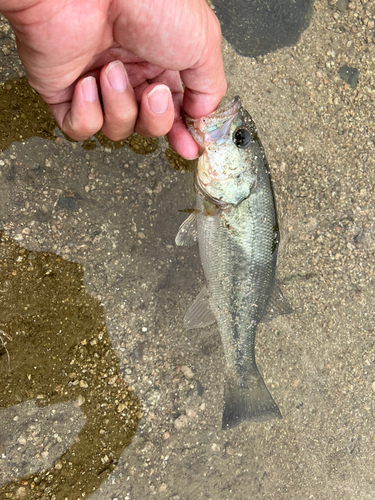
[235, 224]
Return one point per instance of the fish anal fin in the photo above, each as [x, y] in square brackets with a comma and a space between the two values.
[200, 315]
[247, 400]
[277, 305]
[187, 234]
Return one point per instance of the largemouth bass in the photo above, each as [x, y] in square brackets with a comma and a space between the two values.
[235, 223]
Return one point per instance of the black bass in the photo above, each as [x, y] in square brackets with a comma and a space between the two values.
[235, 223]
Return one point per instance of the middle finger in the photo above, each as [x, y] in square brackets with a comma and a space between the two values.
[119, 103]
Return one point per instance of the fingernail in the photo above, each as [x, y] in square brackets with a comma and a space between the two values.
[158, 99]
[117, 77]
[89, 89]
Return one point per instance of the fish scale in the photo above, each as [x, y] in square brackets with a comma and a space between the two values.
[235, 222]
[237, 258]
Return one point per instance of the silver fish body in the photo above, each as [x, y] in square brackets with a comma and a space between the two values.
[235, 223]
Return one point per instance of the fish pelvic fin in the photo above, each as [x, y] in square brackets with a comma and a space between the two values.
[200, 313]
[247, 399]
[187, 234]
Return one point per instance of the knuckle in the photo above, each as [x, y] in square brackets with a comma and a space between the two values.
[82, 131]
[117, 129]
[157, 127]
[115, 135]
[152, 131]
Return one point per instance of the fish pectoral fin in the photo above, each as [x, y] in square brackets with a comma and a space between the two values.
[187, 234]
[277, 305]
[248, 400]
[200, 314]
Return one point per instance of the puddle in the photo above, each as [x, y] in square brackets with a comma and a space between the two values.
[33, 438]
[25, 115]
[255, 28]
[60, 358]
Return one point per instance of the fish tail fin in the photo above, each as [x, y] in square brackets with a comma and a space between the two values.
[247, 399]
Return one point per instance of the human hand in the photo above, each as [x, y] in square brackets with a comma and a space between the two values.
[117, 65]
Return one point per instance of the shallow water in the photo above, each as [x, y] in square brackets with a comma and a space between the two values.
[116, 213]
[67, 414]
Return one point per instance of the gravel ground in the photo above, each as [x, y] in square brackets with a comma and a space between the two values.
[116, 214]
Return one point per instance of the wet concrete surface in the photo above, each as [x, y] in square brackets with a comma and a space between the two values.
[319, 137]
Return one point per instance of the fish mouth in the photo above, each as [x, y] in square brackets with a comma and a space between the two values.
[214, 126]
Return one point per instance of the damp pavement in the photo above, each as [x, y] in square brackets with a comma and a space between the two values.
[124, 403]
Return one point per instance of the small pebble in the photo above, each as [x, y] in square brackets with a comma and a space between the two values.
[187, 372]
[342, 5]
[191, 413]
[181, 422]
[349, 75]
[80, 400]
[21, 492]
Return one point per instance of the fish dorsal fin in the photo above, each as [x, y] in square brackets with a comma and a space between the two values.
[277, 305]
[187, 234]
[200, 315]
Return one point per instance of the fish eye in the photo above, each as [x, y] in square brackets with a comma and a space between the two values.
[241, 137]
